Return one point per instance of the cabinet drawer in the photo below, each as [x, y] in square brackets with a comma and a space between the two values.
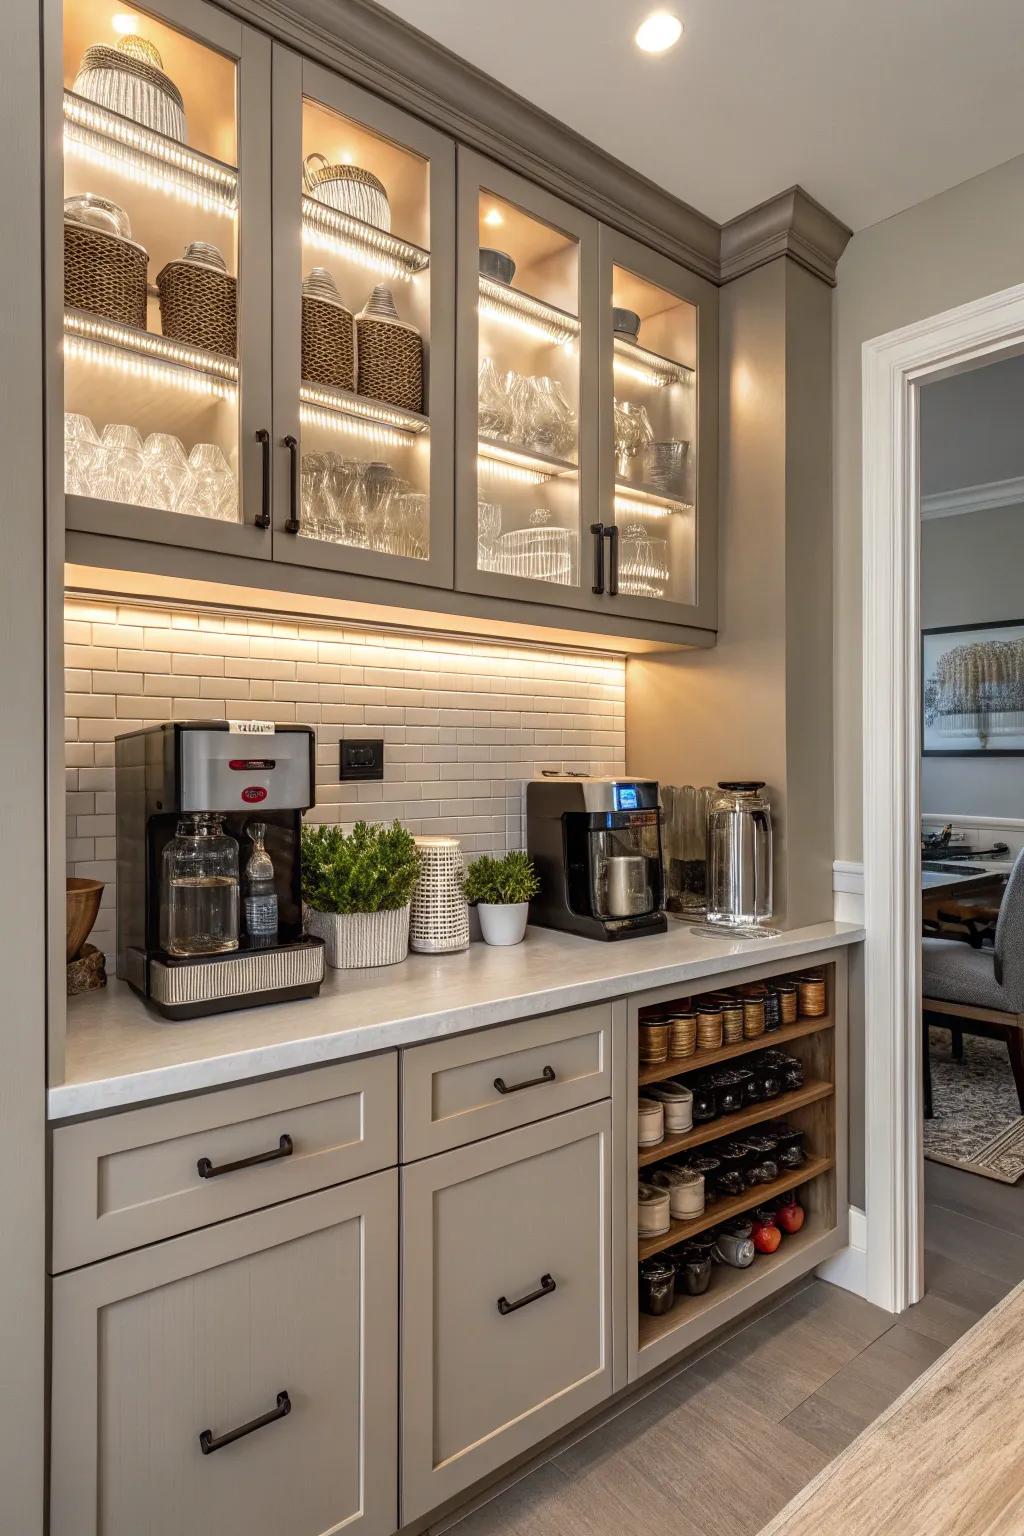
[450, 1092]
[136, 1178]
[206, 1333]
[506, 1322]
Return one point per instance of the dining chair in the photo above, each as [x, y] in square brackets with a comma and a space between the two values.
[980, 991]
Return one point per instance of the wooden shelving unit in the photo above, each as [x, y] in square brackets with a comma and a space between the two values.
[728, 1125]
[818, 1108]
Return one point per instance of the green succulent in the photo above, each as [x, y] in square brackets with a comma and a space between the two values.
[501, 881]
[373, 868]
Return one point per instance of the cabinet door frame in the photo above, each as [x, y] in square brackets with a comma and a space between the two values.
[620, 250]
[250, 50]
[293, 79]
[80, 1296]
[424, 1486]
[475, 172]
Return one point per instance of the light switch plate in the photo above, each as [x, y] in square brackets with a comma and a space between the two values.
[361, 760]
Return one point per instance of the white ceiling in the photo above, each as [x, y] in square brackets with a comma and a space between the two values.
[871, 105]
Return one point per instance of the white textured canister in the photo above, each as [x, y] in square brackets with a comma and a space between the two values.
[439, 922]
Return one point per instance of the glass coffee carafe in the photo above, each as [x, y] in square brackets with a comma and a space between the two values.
[199, 888]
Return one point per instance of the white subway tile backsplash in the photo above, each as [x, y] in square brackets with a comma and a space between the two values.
[464, 723]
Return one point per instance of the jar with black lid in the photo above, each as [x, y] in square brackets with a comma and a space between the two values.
[790, 1144]
[656, 1286]
[792, 1070]
[749, 1085]
[772, 1011]
[728, 1090]
[711, 1168]
[705, 1103]
[692, 1267]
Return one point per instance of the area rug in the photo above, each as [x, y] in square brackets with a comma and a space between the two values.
[977, 1123]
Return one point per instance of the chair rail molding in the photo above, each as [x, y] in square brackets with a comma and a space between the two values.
[894, 367]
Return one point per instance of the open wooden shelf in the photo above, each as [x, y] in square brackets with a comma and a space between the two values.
[676, 1065]
[728, 1125]
[734, 1205]
[725, 1282]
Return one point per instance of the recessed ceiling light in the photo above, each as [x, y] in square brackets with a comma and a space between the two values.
[125, 24]
[658, 32]
[493, 218]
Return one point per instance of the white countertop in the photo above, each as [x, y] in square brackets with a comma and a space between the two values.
[119, 1053]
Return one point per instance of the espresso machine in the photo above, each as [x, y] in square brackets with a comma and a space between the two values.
[209, 900]
[597, 847]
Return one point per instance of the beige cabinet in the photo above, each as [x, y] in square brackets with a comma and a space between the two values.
[506, 1282]
[239, 1381]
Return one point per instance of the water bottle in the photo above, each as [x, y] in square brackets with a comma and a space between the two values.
[260, 895]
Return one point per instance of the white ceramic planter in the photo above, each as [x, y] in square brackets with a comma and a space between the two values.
[503, 922]
[353, 940]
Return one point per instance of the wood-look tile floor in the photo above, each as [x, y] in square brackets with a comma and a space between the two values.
[721, 1447]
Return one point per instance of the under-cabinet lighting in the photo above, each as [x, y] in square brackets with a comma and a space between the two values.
[635, 362]
[522, 458]
[377, 412]
[544, 321]
[516, 474]
[346, 236]
[365, 431]
[631, 505]
[146, 157]
[144, 355]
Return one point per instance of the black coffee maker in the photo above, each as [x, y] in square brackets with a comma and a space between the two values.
[597, 847]
[193, 802]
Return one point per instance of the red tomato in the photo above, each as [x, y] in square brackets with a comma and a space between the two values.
[766, 1236]
[790, 1217]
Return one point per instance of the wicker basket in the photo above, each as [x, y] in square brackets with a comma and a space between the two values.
[199, 306]
[105, 274]
[389, 354]
[439, 922]
[328, 333]
[348, 189]
[128, 79]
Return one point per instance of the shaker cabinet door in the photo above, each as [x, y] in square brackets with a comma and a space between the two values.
[506, 1322]
[240, 1381]
[658, 433]
[166, 346]
[364, 278]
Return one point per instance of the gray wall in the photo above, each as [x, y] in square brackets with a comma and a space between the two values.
[972, 572]
[956, 247]
[972, 427]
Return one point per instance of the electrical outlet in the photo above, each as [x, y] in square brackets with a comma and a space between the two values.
[362, 760]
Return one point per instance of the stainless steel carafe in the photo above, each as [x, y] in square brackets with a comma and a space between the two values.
[739, 856]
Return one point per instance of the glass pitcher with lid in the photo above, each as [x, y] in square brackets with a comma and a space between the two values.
[739, 873]
[199, 888]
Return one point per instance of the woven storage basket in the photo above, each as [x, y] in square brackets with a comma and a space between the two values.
[105, 274]
[356, 939]
[199, 306]
[389, 354]
[348, 189]
[328, 333]
[439, 922]
[128, 79]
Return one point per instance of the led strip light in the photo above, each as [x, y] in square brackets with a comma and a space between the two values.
[630, 503]
[145, 355]
[366, 431]
[529, 468]
[148, 157]
[377, 412]
[545, 321]
[648, 367]
[347, 236]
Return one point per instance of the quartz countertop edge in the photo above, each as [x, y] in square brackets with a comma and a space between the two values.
[119, 1053]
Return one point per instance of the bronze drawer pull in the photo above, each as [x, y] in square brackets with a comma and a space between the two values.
[547, 1076]
[292, 523]
[547, 1285]
[263, 515]
[597, 529]
[209, 1442]
[611, 533]
[284, 1148]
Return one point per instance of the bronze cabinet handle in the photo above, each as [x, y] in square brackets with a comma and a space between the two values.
[209, 1442]
[293, 524]
[263, 515]
[597, 529]
[612, 535]
[547, 1076]
[547, 1285]
[284, 1148]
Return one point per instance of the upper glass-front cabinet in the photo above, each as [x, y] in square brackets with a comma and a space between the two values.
[659, 327]
[363, 287]
[166, 216]
[526, 448]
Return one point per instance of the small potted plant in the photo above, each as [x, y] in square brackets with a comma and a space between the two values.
[356, 891]
[500, 889]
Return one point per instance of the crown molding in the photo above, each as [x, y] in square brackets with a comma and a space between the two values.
[387, 55]
[974, 498]
[791, 224]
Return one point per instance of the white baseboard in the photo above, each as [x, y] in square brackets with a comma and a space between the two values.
[849, 1267]
[847, 891]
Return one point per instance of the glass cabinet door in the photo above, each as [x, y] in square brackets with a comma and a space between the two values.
[526, 390]
[166, 213]
[659, 328]
[363, 351]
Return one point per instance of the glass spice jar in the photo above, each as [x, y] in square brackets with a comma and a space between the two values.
[656, 1286]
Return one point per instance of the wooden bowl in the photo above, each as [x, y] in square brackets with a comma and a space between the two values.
[83, 905]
